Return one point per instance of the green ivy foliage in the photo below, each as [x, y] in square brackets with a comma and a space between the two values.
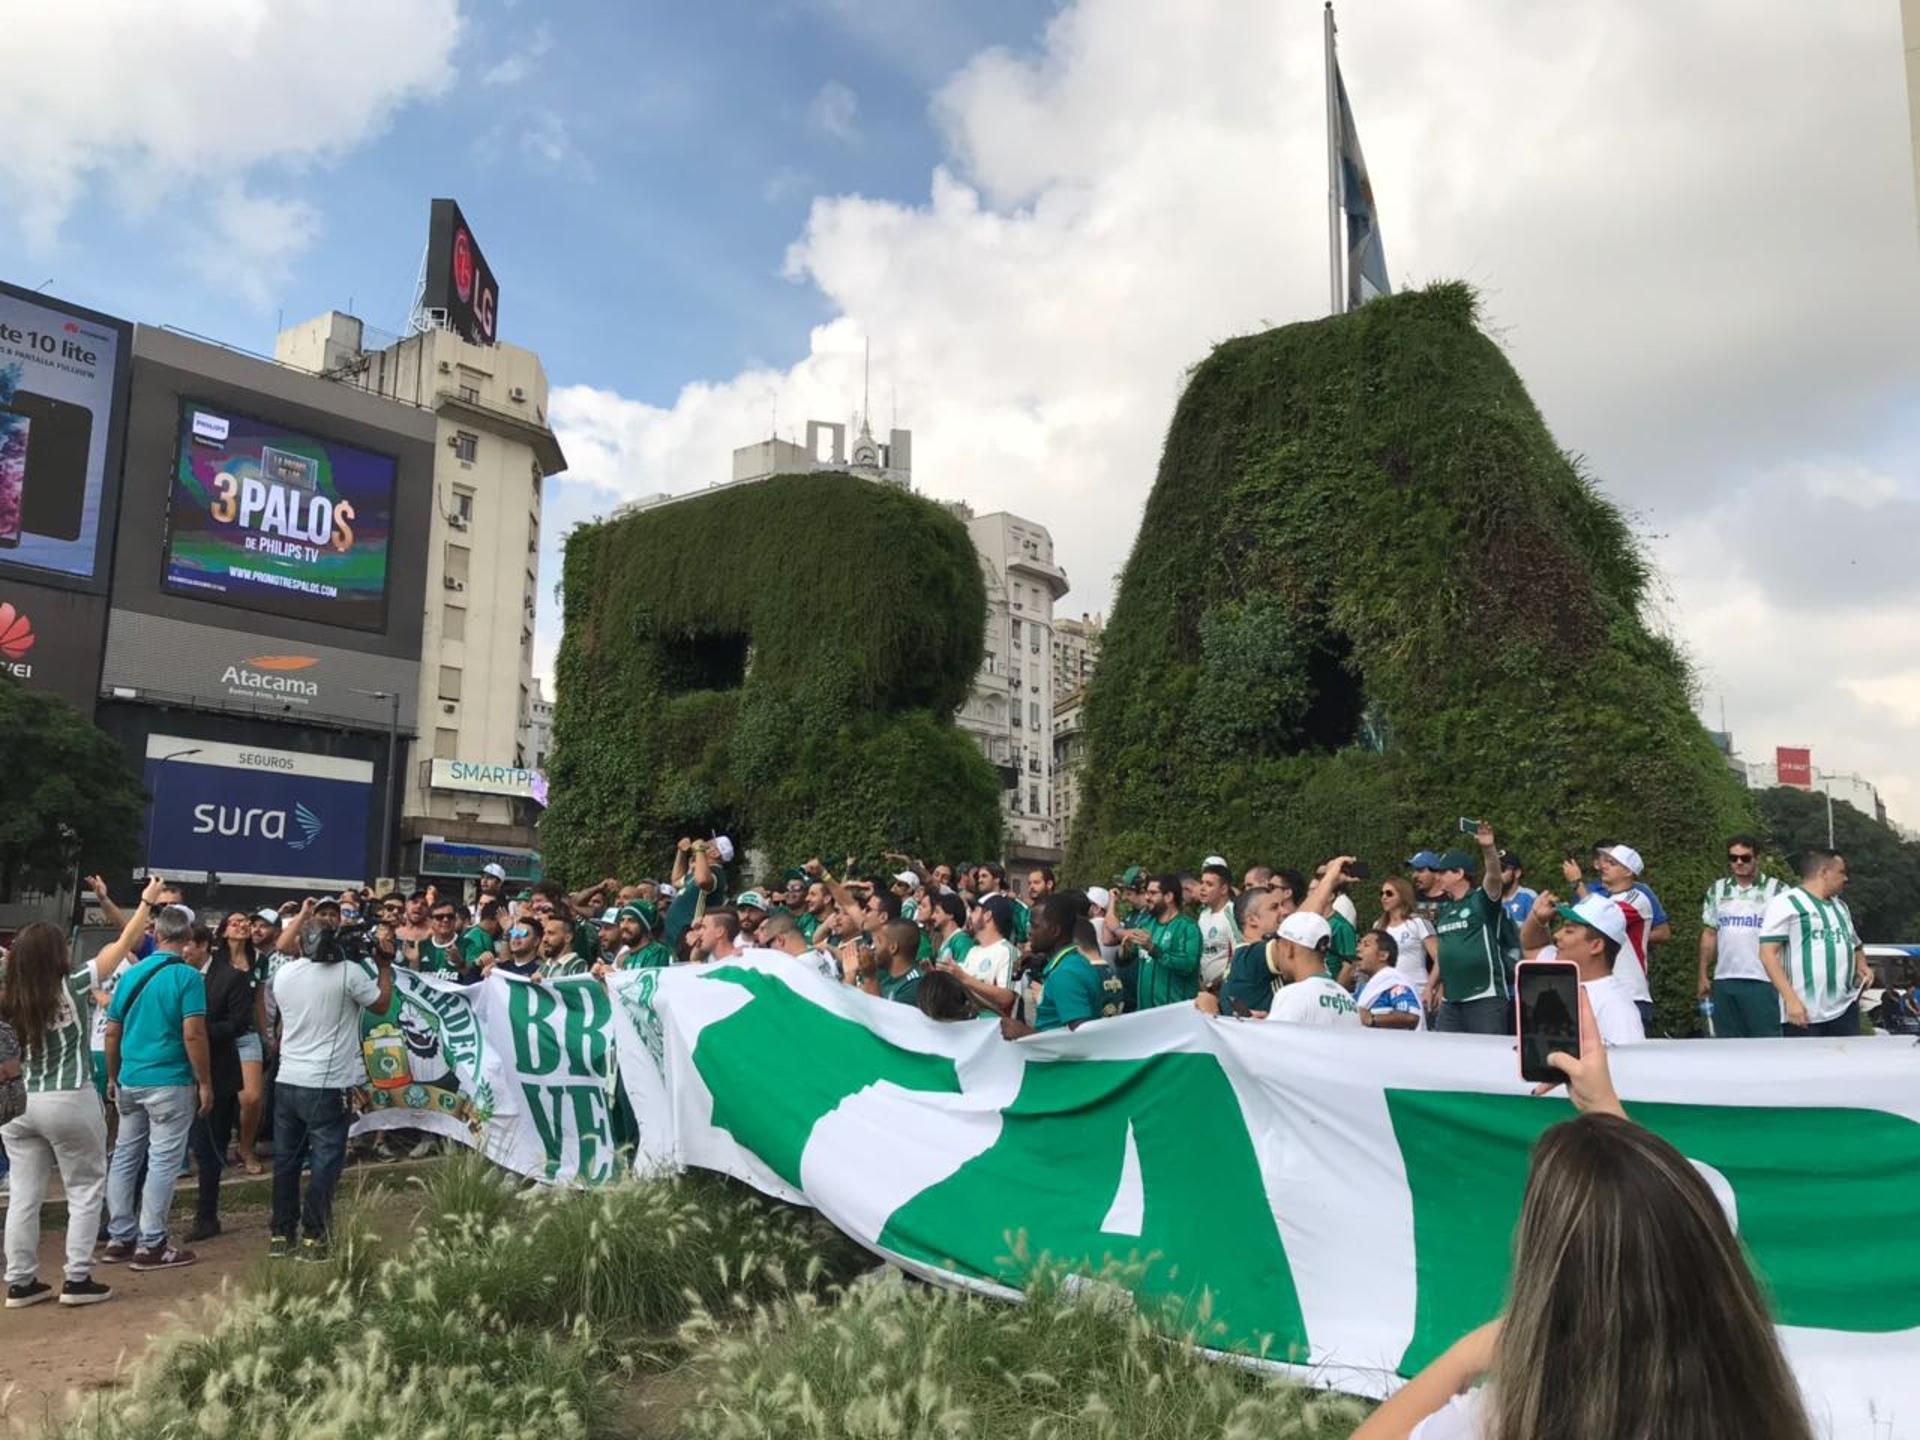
[779, 662]
[70, 801]
[1370, 595]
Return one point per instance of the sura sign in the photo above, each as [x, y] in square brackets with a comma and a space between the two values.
[478, 779]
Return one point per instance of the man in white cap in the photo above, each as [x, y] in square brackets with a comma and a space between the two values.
[1298, 956]
[1592, 934]
[1620, 867]
[493, 881]
[1218, 932]
[751, 908]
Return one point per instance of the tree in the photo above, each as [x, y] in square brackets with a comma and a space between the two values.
[69, 801]
[1884, 889]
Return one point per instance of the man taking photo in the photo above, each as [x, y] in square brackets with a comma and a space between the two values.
[319, 994]
[1471, 980]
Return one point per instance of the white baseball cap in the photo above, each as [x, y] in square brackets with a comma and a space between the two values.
[906, 877]
[724, 847]
[1303, 927]
[1100, 896]
[610, 915]
[1219, 860]
[1602, 914]
[272, 917]
[1627, 856]
[498, 872]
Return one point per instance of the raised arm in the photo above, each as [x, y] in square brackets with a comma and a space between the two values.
[132, 928]
[1537, 929]
[1489, 860]
[115, 916]
[294, 931]
[1320, 898]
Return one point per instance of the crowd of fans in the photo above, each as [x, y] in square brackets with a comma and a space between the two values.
[170, 1033]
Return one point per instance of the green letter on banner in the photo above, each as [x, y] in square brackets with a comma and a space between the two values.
[536, 1050]
[1811, 1186]
[1199, 1217]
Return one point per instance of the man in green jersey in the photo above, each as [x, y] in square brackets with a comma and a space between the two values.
[1247, 988]
[441, 953]
[1168, 947]
[481, 943]
[948, 926]
[1471, 981]
[1812, 953]
[1076, 986]
[889, 969]
[640, 945]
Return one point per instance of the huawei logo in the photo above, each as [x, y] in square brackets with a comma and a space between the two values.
[282, 662]
[16, 632]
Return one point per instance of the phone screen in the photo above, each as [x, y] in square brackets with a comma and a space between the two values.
[1549, 996]
[56, 479]
[13, 476]
[1469, 827]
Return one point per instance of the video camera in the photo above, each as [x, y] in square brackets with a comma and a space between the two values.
[347, 942]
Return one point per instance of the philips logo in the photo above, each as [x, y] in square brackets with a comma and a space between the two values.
[214, 429]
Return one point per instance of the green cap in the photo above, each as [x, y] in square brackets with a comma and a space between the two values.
[644, 912]
[796, 873]
[750, 899]
[1132, 875]
[1456, 860]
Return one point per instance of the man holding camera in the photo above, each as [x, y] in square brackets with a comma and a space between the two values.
[319, 993]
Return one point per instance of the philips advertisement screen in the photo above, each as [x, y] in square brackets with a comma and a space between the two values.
[269, 519]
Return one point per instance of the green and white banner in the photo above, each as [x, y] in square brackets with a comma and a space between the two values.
[1345, 1200]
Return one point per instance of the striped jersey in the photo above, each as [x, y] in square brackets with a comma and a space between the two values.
[1820, 943]
[1733, 912]
[62, 1060]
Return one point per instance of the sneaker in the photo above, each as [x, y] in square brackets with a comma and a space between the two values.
[279, 1248]
[30, 1292]
[160, 1257]
[203, 1230]
[116, 1252]
[312, 1249]
[84, 1292]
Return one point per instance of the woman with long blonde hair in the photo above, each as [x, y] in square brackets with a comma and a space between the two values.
[1411, 932]
[1632, 1313]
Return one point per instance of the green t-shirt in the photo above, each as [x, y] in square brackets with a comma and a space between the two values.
[437, 959]
[152, 1050]
[1022, 918]
[1170, 964]
[809, 923]
[1074, 989]
[1248, 980]
[63, 1059]
[904, 988]
[1473, 946]
[689, 904]
[650, 956]
[586, 940]
[955, 947]
[1344, 945]
[476, 947]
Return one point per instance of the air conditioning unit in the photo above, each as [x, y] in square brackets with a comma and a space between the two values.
[453, 584]
[453, 442]
[445, 368]
[517, 395]
[449, 707]
[457, 520]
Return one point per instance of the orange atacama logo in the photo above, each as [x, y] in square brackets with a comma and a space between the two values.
[282, 662]
[16, 632]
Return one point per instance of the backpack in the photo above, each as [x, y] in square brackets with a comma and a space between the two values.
[13, 1093]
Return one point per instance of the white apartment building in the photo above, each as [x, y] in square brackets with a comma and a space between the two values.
[1076, 649]
[468, 793]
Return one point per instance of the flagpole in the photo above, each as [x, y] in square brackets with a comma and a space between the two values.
[1338, 291]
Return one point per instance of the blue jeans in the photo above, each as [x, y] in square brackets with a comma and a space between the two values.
[304, 1117]
[154, 1122]
[1492, 1016]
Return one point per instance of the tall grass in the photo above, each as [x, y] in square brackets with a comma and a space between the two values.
[507, 1310]
[893, 1358]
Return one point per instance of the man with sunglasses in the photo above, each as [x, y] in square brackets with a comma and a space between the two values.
[1745, 1005]
[444, 952]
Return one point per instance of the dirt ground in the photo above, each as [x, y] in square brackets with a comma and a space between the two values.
[51, 1351]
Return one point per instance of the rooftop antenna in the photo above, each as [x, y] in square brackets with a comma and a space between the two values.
[866, 385]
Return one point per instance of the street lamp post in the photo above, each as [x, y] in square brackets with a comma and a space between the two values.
[392, 697]
[153, 808]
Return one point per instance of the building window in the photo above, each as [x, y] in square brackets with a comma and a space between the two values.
[470, 394]
[459, 561]
[1016, 632]
[463, 504]
[1033, 715]
[446, 744]
[453, 623]
[466, 446]
[1033, 800]
[449, 682]
[993, 663]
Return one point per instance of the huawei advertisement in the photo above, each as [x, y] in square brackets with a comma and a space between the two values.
[273, 520]
[63, 374]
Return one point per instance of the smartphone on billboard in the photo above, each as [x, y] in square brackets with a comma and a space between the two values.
[13, 477]
[1548, 992]
[56, 478]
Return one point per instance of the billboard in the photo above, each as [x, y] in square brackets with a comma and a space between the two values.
[63, 381]
[478, 779]
[270, 519]
[1793, 767]
[50, 640]
[458, 279]
[449, 859]
[177, 662]
[256, 816]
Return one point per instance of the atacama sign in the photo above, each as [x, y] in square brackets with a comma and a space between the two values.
[481, 779]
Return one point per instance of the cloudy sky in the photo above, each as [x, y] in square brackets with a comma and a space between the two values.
[1692, 224]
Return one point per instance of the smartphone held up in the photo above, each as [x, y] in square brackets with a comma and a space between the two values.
[1548, 995]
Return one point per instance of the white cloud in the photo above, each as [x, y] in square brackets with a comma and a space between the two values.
[834, 112]
[516, 67]
[157, 102]
[1693, 231]
[250, 242]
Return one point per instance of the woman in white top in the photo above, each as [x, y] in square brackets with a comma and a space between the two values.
[1632, 1312]
[1410, 931]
